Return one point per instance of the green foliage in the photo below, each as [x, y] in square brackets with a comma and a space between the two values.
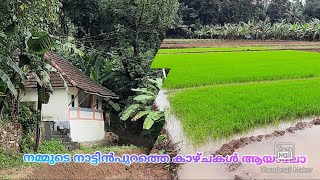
[13, 65]
[262, 30]
[196, 13]
[27, 117]
[27, 142]
[6, 79]
[14, 160]
[39, 42]
[278, 10]
[108, 24]
[144, 107]
[205, 12]
[127, 33]
[7, 62]
[9, 160]
[24, 25]
[312, 9]
[5, 118]
[92, 64]
[152, 118]
[113, 105]
[53, 146]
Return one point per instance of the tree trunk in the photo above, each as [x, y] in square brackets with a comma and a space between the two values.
[136, 42]
[2, 102]
[39, 112]
[15, 107]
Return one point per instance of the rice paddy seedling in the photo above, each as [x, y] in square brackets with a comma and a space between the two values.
[201, 69]
[219, 94]
[221, 111]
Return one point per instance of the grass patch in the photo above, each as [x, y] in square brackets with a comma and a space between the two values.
[53, 146]
[13, 159]
[220, 111]
[200, 69]
[9, 160]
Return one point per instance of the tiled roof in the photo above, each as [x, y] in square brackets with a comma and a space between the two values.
[73, 76]
[55, 79]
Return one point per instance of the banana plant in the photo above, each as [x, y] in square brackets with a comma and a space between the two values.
[144, 107]
[37, 44]
[5, 77]
[8, 64]
[263, 30]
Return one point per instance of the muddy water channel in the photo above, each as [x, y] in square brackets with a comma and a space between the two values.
[303, 133]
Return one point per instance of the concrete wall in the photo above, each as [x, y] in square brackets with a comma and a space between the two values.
[56, 109]
[86, 130]
[30, 95]
[86, 124]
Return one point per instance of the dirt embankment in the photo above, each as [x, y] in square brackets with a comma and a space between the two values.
[225, 43]
[304, 135]
[232, 146]
[102, 171]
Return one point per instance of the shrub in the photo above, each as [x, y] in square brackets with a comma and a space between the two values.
[53, 146]
[8, 160]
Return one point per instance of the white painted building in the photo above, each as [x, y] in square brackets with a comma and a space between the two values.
[76, 107]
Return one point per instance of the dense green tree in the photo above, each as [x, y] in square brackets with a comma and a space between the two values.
[207, 12]
[24, 29]
[17, 20]
[278, 10]
[296, 11]
[140, 24]
[129, 30]
[312, 9]
[200, 12]
[260, 10]
[233, 11]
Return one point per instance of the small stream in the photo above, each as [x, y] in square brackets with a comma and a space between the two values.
[209, 171]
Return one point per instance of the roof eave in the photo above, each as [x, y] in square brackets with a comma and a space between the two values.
[100, 95]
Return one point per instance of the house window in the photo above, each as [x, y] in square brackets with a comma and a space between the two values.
[72, 100]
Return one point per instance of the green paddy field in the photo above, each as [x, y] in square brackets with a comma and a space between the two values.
[218, 94]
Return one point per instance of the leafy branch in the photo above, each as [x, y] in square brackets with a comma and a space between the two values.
[144, 107]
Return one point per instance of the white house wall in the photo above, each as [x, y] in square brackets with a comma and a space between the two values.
[56, 109]
[86, 130]
[30, 95]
